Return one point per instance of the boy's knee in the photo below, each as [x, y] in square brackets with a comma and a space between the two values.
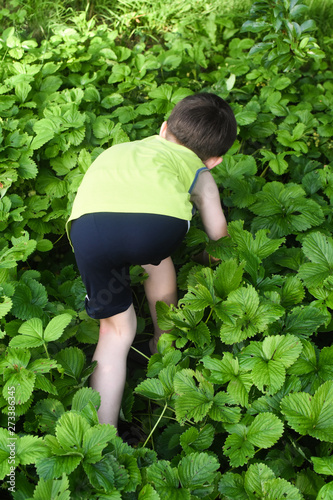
[120, 325]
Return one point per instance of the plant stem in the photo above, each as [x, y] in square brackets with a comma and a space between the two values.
[158, 421]
[45, 348]
[209, 315]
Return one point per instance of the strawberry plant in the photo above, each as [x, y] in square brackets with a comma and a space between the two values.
[238, 402]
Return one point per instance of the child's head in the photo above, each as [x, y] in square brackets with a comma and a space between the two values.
[204, 123]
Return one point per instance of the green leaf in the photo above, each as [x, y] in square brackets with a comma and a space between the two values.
[48, 411]
[325, 363]
[112, 100]
[282, 348]
[238, 449]
[261, 245]
[255, 478]
[119, 72]
[244, 316]
[200, 335]
[227, 277]
[279, 164]
[148, 493]
[194, 440]
[262, 129]
[72, 360]
[29, 299]
[102, 474]
[221, 411]
[292, 292]
[312, 415]
[166, 376]
[194, 406]
[13, 360]
[56, 466]
[318, 248]
[84, 160]
[5, 306]
[152, 389]
[56, 326]
[46, 132]
[52, 489]
[308, 482]
[307, 360]
[228, 370]
[163, 319]
[280, 488]
[29, 449]
[325, 492]
[197, 469]
[165, 480]
[44, 245]
[283, 209]
[312, 368]
[325, 130]
[193, 401]
[102, 127]
[222, 371]
[239, 388]
[118, 135]
[6, 102]
[323, 465]
[280, 82]
[31, 334]
[131, 467]
[254, 26]
[161, 473]
[24, 382]
[51, 84]
[303, 321]
[268, 360]
[245, 117]
[125, 114]
[44, 384]
[83, 397]
[95, 440]
[265, 430]
[70, 430]
[231, 486]
[6, 446]
[268, 376]
[27, 167]
[199, 297]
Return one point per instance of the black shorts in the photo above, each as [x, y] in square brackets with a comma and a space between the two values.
[106, 244]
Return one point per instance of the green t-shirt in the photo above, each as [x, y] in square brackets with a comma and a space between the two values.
[151, 175]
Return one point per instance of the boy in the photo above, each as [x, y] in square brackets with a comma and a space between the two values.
[133, 207]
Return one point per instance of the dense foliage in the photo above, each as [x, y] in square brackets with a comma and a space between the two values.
[242, 406]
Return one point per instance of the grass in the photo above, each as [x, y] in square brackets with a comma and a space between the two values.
[130, 16]
[321, 11]
[134, 18]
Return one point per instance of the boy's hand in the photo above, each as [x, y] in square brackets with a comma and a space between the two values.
[204, 258]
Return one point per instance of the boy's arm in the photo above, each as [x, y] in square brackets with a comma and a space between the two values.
[206, 197]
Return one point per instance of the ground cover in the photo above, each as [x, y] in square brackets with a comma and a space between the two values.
[241, 408]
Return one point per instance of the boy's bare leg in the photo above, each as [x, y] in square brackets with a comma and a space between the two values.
[115, 338]
[160, 285]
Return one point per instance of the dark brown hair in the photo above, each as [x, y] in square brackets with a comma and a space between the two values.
[204, 123]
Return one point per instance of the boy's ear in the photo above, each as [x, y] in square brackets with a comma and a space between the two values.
[213, 161]
[163, 129]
